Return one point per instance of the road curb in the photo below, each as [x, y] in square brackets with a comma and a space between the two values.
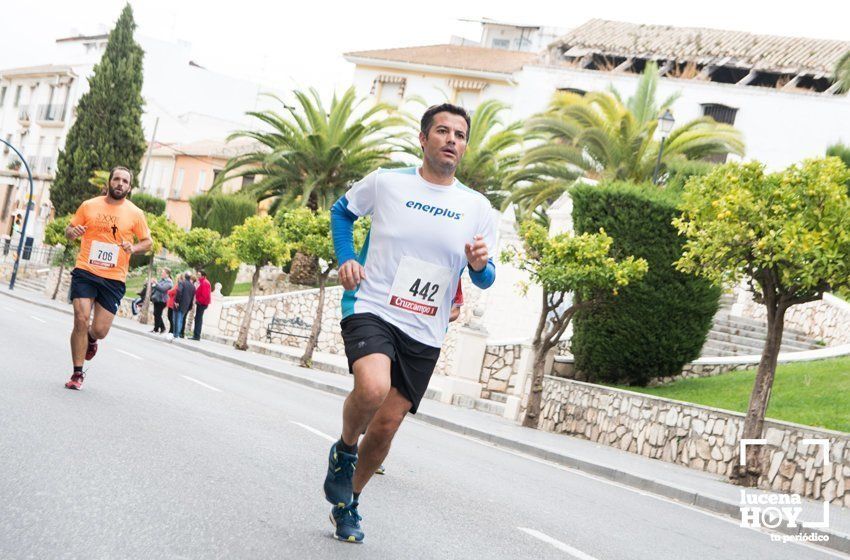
[837, 541]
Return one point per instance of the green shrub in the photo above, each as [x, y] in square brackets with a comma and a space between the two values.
[149, 203]
[221, 213]
[680, 170]
[654, 327]
[842, 152]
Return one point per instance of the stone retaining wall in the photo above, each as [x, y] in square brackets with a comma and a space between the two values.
[500, 370]
[698, 437]
[303, 304]
[827, 320]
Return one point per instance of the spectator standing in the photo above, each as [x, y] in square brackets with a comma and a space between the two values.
[183, 303]
[172, 295]
[202, 301]
[159, 297]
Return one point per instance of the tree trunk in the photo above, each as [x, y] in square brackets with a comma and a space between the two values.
[242, 340]
[304, 269]
[535, 396]
[143, 316]
[313, 341]
[754, 421]
[59, 279]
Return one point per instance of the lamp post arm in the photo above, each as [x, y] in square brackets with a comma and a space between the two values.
[26, 216]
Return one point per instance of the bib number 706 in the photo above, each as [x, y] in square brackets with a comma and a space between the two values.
[426, 291]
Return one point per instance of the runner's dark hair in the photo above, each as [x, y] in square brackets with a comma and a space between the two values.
[120, 168]
[428, 117]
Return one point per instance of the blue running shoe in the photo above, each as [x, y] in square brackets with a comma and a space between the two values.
[341, 466]
[346, 521]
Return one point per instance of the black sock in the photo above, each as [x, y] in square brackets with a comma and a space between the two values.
[356, 496]
[342, 446]
[91, 340]
[78, 369]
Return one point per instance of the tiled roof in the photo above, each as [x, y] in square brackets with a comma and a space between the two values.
[704, 46]
[453, 56]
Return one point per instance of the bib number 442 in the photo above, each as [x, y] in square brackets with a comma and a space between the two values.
[425, 291]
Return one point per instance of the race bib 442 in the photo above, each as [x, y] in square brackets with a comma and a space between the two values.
[419, 287]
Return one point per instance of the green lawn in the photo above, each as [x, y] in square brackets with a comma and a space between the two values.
[241, 289]
[810, 393]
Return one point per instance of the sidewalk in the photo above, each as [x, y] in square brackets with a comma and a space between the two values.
[703, 490]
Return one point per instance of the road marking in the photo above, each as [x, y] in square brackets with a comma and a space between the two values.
[724, 518]
[315, 431]
[201, 383]
[129, 354]
[574, 552]
[38, 319]
[9, 309]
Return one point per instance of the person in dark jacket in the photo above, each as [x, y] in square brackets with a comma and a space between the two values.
[183, 303]
[159, 297]
[202, 301]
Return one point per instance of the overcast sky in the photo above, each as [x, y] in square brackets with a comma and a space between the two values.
[285, 44]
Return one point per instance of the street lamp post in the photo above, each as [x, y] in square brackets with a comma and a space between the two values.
[26, 218]
[665, 123]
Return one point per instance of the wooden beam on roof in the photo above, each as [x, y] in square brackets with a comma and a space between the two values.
[585, 61]
[792, 83]
[748, 78]
[622, 67]
[832, 89]
[666, 68]
[705, 73]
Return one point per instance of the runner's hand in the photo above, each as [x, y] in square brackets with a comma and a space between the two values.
[477, 254]
[76, 232]
[351, 273]
[127, 246]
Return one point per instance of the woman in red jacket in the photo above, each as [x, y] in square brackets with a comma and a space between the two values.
[172, 293]
[202, 301]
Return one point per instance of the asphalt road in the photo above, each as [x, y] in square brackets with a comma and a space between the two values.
[171, 454]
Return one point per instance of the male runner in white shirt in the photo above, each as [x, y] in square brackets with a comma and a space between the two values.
[426, 229]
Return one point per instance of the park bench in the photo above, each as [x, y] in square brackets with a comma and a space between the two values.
[288, 327]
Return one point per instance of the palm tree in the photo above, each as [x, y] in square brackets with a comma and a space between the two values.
[842, 72]
[310, 156]
[492, 151]
[600, 137]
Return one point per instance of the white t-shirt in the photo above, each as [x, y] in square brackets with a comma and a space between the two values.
[414, 254]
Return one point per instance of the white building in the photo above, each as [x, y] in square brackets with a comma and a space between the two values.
[777, 90]
[38, 107]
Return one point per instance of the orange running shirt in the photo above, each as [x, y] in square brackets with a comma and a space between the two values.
[107, 226]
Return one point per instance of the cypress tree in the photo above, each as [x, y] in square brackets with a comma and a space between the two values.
[108, 128]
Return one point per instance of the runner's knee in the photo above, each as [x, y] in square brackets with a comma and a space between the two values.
[372, 393]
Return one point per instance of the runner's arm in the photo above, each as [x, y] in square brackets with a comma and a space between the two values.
[342, 231]
[483, 278]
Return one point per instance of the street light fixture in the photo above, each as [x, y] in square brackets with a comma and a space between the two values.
[26, 217]
[665, 124]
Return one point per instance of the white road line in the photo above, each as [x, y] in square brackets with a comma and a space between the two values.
[9, 309]
[128, 354]
[201, 383]
[38, 319]
[574, 552]
[315, 431]
[724, 518]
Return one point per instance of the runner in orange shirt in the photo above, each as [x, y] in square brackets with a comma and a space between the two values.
[107, 225]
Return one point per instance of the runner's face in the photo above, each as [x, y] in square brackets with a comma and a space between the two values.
[119, 186]
[445, 144]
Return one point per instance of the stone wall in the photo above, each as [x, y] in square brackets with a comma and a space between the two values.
[827, 320]
[500, 370]
[303, 304]
[698, 437]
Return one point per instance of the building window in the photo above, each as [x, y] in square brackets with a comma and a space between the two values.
[247, 180]
[17, 96]
[720, 113]
[576, 91]
[501, 44]
[178, 185]
[3, 95]
[387, 87]
[202, 180]
[467, 93]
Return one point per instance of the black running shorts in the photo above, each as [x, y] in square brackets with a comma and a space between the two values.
[412, 362]
[108, 293]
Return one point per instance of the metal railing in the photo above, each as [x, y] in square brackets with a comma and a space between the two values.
[54, 112]
[42, 256]
[24, 113]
